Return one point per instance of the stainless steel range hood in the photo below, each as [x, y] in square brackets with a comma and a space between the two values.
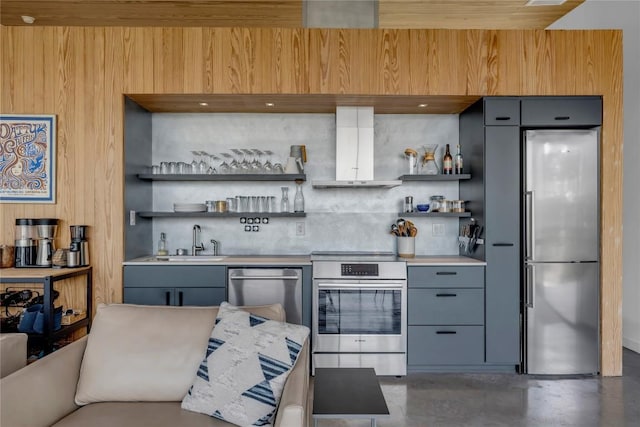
[354, 151]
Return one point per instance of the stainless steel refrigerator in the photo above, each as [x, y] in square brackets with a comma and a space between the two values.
[561, 252]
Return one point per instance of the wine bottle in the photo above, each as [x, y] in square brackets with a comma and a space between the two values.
[447, 162]
[458, 161]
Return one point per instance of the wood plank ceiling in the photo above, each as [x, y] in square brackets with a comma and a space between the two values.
[453, 14]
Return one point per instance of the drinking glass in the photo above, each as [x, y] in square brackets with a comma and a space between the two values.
[268, 166]
[203, 165]
[255, 204]
[164, 168]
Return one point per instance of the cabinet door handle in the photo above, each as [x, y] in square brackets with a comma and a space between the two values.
[503, 118]
[503, 244]
[446, 273]
[561, 118]
[446, 332]
[167, 296]
[180, 298]
[446, 295]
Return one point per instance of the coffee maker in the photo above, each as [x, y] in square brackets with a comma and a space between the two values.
[79, 251]
[25, 243]
[46, 229]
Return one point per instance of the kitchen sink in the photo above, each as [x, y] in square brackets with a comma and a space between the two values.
[190, 258]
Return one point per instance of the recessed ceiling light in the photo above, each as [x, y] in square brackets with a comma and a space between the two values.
[544, 2]
[28, 19]
[422, 105]
[204, 104]
[269, 104]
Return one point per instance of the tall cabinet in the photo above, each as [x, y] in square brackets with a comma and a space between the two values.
[490, 135]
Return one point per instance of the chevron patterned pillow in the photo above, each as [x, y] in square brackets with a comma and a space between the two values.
[246, 365]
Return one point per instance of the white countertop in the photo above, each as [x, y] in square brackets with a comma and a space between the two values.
[294, 260]
[284, 260]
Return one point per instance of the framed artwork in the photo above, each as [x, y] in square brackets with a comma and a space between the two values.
[27, 158]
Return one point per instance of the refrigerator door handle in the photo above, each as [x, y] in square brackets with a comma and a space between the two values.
[529, 282]
[530, 226]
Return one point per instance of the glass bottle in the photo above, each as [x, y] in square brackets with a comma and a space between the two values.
[284, 203]
[447, 162]
[162, 245]
[458, 163]
[298, 200]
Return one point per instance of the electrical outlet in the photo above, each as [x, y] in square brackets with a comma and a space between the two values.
[299, 228]
[132, 217]
[437, 230]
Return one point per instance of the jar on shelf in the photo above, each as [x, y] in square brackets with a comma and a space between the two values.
[435, 203]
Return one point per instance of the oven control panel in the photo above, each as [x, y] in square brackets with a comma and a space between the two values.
[359, 269]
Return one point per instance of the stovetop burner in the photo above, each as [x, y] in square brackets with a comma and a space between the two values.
[363, 256]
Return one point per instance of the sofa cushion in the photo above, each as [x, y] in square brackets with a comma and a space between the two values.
[247, 363]
[147, 353]
[136, 414]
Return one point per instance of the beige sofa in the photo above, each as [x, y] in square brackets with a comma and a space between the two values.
[13, 353]
[44, 393]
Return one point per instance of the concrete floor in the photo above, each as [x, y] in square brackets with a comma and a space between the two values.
[509, 400]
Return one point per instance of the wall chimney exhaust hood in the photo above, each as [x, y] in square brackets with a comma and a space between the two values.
[354, 151]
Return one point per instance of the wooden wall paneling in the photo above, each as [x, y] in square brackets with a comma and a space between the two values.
[608, 67]
[193, 61]
[242, 58]
[265, 56]
[213, 67]
[447, 71]
[478, 63]
[109, 190]
[11, 65]
[342, 61]
[168, 60]
[539, 71]
[290, 58]
[138, 60]
[418, 62]
[506, 63]
[323, 53]
[391, 62]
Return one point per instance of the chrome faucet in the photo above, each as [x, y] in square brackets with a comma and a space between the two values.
[195, 247]
[216, 247]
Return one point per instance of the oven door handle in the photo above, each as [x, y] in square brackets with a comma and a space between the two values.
[362, 286]
[244, 277]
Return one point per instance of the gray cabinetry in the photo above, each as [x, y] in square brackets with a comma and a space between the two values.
[562, 111]
[502, 111]
[445, 317]
[502, 244]
[493, 194]
[174, 285]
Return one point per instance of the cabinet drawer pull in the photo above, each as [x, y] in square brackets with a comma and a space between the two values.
[562, 118]
[446, 273]
[503, 244]
[446, 295]
[167, 296]
[180, 298]
[503, 118]
[446, 332]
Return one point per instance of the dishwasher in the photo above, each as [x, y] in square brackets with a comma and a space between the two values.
[260, 286]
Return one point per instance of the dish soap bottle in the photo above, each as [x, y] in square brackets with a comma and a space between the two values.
[162, 245]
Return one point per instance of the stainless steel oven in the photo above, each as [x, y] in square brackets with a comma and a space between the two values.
[360, 313]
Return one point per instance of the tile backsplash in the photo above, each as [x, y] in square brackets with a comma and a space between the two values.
[337, 219]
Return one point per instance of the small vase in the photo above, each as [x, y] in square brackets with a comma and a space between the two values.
[284, 203]
[298, 200]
